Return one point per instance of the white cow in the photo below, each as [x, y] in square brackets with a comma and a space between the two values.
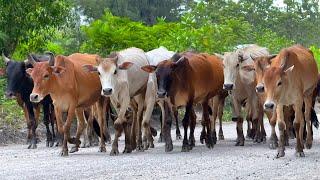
[242, 85]
[124, 82]
[155, 57]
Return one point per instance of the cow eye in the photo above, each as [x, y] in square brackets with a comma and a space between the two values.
[237, 65]
[98, 73]
[279, 83]
[115, 72]
[46, 76]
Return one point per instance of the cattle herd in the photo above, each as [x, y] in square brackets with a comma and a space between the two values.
[132, 82]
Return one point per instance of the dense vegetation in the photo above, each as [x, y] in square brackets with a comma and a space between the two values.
[102, 26]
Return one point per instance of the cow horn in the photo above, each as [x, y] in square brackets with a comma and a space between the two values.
[272, 56]
[6, 60]
[51, 58]
[31, 60]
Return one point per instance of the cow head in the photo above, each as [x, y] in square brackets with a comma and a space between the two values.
[260, 65]
[232, 63]
[165, 72]
[276, 81]
[108, 70]
[43, 73]
[15, 73]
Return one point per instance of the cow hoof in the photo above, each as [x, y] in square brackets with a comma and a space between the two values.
[264, 139]
[102, 149]
[280, 154]
[74, 149]
[140, 148]
[185, 148]
[151, 145]
[160, 140]
[221, 137]
[169, 147]
[64, 153]
[114, 152]
[32, 146]
[145, 146]
[192, 143]
[308, 145]
[239, 143]
[273, 145]
[127, 150]
[300, 154]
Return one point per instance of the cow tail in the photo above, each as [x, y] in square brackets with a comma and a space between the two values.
[314, 118]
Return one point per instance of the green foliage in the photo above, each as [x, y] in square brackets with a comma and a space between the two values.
[316, 53]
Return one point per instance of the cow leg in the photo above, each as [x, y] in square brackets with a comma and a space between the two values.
[263, 131]
[46, 119]
[167, 128]
[127, 129]
[205, 111]
[282, 127]
[81, 125]
[192, 141]
[147, 136]
[299, 128]
[33, 125]
[273, 144]
[118, 125]
[213, 117]
[220, 114]
[52, 122]
[140, 103]
[28, 121]
[162, 119]
[174, 110]
[66, 130]
[236, 113]
[185, 122]
[109, 116]
[307, 117]
[203, 134]
[101, 107]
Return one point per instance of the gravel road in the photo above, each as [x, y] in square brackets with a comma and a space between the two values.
[224, 161]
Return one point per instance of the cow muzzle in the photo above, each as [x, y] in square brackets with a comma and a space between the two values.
[35, 97]
[228, 87]
[10, 95]
[260, 88]
[107, 91]
[269, 106]
[162, 94]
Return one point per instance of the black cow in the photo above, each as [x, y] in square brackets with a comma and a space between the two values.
[20, 85]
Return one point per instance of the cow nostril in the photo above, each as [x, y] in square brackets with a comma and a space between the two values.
[228, 86]
[36, 96]
[107, 91]
[269, 106]
[161, 93]
[260, 89]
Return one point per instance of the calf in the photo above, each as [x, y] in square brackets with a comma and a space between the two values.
[125, 83]
[72, 90]
[189, 78]
[293, 68]
[19, 85]
[154, 57]
[242, 85]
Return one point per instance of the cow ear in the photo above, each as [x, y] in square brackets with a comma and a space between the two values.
[126, 65]
[98, 59]
[29, 71]
[248, 68]
[289, 69]
[58, 70]
[89, 68]
[149, 68]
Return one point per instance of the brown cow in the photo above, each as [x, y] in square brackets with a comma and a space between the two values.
[293, 68]
[72, 90]
[189, 78]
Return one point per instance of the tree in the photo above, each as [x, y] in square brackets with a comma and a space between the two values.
[138, 10]
[22, 20]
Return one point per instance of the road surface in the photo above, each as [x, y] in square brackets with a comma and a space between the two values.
[224, 161]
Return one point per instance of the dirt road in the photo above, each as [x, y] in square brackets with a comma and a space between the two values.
[225, 161]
